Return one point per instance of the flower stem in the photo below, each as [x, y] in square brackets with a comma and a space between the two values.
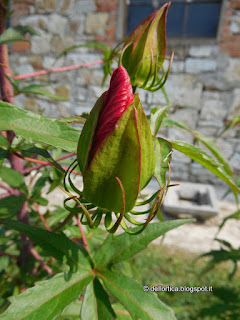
[84, 240]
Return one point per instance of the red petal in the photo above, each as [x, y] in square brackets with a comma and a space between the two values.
[117, 99]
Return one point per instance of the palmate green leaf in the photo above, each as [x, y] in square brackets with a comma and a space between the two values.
[71, 312]
[141, 305]
[163, 150]
[55, 244]
[96, 304]
[13, 178]
[48, 298]
[36, 128]
[121, 312]
[17, 33]
[10, 206]
[205, 160]
[121, 247]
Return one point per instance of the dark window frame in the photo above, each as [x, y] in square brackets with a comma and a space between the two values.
[183, 40]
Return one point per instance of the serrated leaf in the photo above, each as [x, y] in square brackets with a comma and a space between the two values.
[121, 312]
[121, 247]
[17, 33]
[157, 118]
[36, 128]
[13, 178]
[45, 154]
[76, 119]
[96, 305]
[10, 206]
[141, 305]
[55, 244]
[48, 298]
[37, 89]
[205, 160]
[163, 157]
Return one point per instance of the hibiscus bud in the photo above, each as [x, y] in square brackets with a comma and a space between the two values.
[144, 51]
[115, 149]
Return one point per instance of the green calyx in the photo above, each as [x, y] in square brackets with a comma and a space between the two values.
[122, 165]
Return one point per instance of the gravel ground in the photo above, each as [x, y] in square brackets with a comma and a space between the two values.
[198, 237]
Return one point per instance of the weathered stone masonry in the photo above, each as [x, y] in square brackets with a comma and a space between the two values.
[204, 80]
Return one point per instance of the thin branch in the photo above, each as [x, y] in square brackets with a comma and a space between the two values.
[8, 254]
[9, 189]
[42, 165]
[5, 195]
[39, 259]
[69, 217]
[41, 217]
[41, 72]
[84, 240]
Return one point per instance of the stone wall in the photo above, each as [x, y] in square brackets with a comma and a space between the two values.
[204, 81]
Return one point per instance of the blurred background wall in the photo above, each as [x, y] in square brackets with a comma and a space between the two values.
[204, 80]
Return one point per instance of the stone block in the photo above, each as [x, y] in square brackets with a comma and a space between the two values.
[187, 115]
[83, 107]
[84, 6]
[235, 161]
[57, 24]
[40, 45]
[191, 199]
[36, 21]
[208, 131]
[211, 123]
[176, 67]
[185, 89]
[96, 23]
[201, 51]
[225, 148]
[212, 82]
[46, 5]
[179, 170]
[235, 106]
[213, 109]
[232, 73]
[50, 63]
[62, 90]
[194, 66]
[23, 69]
[64, 109]
[60, 43]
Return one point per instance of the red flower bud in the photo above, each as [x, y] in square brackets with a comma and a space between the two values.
[115, 149]
[116, 100]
